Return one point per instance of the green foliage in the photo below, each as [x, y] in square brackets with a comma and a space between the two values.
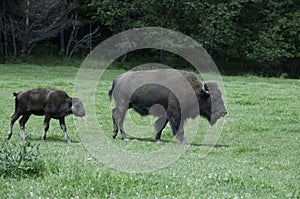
[273, 34]
[265, 33]
[20, 159]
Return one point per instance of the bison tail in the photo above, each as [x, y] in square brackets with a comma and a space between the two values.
[110, 92]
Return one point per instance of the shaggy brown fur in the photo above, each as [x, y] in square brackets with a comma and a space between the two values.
[50, 102]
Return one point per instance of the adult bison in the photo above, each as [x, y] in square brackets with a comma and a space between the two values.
[50, 102]
[171, 95]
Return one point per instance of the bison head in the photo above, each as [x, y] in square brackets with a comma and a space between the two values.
[77, 107]
[211, 103]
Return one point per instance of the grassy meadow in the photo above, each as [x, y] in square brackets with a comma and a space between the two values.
[257, 154]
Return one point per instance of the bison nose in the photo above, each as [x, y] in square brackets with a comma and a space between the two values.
[224, 113]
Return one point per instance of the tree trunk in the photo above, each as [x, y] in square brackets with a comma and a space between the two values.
[62, 42]
[124, 53]
[2, 57]
[13, 35]
[24, 50]
[3, 35]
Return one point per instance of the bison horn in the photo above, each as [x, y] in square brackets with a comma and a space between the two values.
[205, 89]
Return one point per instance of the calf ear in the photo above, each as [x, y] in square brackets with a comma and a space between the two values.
[75, 100]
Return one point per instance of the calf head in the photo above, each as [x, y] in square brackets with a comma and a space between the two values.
[211, 103]
[77, 107]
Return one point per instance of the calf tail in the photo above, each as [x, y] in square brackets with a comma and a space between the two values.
[15, 94]
[16, 101]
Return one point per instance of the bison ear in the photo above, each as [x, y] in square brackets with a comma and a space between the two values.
[204, 90]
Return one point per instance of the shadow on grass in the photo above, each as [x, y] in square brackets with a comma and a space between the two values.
[52, 139]
[175, 141]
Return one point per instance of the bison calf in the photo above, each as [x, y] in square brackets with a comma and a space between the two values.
[51, 103]
[165, 93]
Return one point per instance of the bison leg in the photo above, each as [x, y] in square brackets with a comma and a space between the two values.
[46, 127]
[180, 136]
[177, 125]
[64, 129]
[160, 124]
[22, 122]
[13, 119]
[118, 119]
[177, 129]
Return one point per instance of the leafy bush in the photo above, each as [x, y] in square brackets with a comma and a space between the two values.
[20, 159]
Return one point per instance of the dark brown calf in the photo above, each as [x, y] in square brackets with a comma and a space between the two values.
[51, 103]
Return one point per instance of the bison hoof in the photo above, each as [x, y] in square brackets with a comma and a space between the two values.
[185, 144]
[125, 139]
[43, 141]
[68, 141]
[158, 141]
[114, 135]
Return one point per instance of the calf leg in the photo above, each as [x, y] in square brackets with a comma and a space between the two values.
[46, 127]
[13, 118]
[160, 124]
[118, 119]
[22, 122]
[115, 131]
[64, 129]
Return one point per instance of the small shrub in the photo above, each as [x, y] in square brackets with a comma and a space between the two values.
[20, 159]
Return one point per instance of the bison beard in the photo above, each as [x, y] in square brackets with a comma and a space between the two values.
[50, 102]
[158, 100]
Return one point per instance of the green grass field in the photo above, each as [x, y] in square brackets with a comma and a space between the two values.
[257, 155]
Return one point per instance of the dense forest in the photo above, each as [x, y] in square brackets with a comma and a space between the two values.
[240, 35]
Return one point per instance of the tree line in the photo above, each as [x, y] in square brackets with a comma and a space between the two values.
[262, 33]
